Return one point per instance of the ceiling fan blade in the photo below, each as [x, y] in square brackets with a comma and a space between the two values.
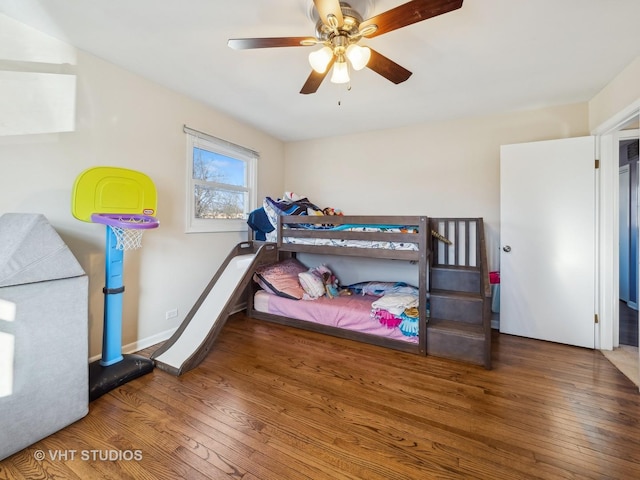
[329, 7]
[315, 79]
[387, 68]
[246, 43]
[408, 14]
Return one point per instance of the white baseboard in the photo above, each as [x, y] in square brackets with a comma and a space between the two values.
[142, 343]
[157, 338]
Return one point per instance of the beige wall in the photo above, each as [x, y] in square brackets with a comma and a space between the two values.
[616, 96]
[435, 169]
[123, 120]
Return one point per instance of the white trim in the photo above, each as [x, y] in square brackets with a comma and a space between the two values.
[142, 343]
[616, 122]
[624, 224]
[608, 281]
[629, 134]
[597, 304]
[231, 147]
[608, 278]
[159, 337]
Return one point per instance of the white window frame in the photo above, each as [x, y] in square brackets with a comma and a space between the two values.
[228, 149]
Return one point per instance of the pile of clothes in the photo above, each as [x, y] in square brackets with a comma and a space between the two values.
[264, 220]
[396, 307]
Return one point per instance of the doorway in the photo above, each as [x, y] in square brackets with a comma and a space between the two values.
[615, 138]
[628, 240]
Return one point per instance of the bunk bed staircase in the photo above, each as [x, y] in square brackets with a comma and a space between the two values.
[459, 324]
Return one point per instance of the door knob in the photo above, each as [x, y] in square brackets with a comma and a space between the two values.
[506, 248]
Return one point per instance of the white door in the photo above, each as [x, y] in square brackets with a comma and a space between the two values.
[547, 259]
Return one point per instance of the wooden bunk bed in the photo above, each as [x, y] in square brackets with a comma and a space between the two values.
[453, 282]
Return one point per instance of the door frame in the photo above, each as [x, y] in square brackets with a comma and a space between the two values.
[607, 222]
[624, 225]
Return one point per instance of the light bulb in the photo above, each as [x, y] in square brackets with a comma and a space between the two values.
[340, 72]
[358, 56]
[320, 59]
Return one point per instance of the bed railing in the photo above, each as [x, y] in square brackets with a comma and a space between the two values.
[291, 227]
[466, 246]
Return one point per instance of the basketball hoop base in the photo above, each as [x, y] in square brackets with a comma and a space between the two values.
[104, 379]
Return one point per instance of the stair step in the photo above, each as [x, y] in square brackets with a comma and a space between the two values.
[460, 306]
[459, 279]
[456, 328]
[456, 341]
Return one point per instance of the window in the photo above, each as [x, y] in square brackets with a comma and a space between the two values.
[221, 188]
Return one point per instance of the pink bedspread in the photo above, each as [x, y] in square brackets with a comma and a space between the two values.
[348, 312]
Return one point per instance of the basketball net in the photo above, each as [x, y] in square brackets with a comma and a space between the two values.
[128, 238]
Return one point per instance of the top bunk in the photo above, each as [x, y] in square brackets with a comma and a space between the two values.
[381, 236]
[298, 225]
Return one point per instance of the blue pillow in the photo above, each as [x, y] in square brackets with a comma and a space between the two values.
[380, 288]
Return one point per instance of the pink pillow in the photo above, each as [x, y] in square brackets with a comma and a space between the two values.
[281, 278]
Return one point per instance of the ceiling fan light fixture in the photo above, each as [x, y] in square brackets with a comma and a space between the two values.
[368, 30]
[332, 21]
[319, 60]
[340, 72]
[358, 56]
[339, 25]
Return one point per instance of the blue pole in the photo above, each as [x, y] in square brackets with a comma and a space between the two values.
[113, 290]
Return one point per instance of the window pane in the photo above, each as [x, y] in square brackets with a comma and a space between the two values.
[219, 203]
[220, 185]
[213, 167]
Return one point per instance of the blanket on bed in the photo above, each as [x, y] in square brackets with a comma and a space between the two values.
[348, 312]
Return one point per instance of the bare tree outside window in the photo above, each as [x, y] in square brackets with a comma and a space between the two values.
[221, 184]
[219, 190]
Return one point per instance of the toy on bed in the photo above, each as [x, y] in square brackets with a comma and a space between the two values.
[329, 280]
[320, 281]
[332, 211]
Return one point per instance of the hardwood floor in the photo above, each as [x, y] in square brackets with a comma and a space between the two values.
[271, 402]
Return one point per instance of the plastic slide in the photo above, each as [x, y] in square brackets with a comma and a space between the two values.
[191, 342]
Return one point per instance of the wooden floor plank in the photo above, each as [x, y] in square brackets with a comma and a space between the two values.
[272, 402]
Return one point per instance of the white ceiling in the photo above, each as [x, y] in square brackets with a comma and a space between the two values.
[489, 56]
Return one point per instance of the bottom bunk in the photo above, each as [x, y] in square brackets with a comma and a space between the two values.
[380, 313]
[349, 317]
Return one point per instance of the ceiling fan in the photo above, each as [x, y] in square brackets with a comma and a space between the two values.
[339, 30]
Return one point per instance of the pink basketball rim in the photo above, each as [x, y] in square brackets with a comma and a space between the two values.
[126, 220]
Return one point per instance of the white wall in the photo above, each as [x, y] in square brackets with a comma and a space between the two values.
[436, 169]
[125, 121]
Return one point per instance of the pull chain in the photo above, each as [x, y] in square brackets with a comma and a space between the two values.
[348, 90]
